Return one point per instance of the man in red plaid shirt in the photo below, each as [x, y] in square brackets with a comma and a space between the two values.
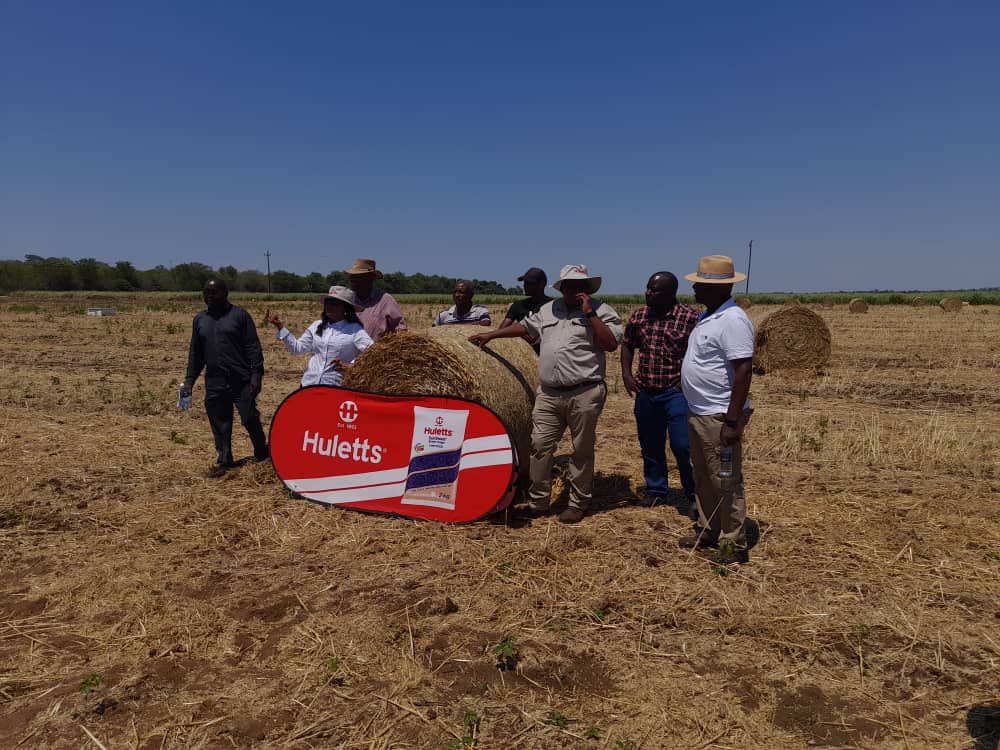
[659, 332]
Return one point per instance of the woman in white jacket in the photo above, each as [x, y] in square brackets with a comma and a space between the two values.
[334, 340]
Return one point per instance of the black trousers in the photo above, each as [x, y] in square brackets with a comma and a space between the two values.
[221, 396]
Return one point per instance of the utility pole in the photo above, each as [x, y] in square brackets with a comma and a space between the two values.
[267, 254]
[749, 261]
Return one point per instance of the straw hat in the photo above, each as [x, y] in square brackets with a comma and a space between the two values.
[578, 272]
[345, 295]
[362, 266]
[716, 269]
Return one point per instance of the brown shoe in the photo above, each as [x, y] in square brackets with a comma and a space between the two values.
[697, 541]
[571, 515]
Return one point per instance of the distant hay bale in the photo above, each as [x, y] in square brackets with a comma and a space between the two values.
[857, 305]
[744, 302]
[950, 304]
[827, 302]
[441, 362]
[919, 301]
[792, 302]
[794, 337]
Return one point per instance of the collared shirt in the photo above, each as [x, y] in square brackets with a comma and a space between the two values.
[476, 314]
[569, 353]
[225, 344]
[376, 307]
[341, 340]
[707, 373]
[661, 343]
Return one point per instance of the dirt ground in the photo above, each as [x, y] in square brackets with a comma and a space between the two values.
[143, 605]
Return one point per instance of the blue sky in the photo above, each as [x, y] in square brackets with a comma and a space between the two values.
[856, 143]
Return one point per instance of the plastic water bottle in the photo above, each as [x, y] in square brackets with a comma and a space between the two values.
[183, 400]
[726, 461]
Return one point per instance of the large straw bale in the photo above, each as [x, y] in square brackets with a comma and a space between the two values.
[950, 304]
[440, 361]
[857, 305]
[794, 337]
[827, 301]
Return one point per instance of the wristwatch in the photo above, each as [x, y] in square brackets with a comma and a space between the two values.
[592, 314]
[734, 423]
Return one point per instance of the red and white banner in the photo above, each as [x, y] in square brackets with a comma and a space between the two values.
[433, 457]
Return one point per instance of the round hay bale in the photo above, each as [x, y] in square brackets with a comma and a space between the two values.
[857, 305]
[744, 302]
[440, 361]
[827, 302]
[919, 301]
[950, 304]
[794, 337]
[792, 302]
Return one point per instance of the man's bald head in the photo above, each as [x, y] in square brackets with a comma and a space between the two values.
[215, 294]
[661, 291]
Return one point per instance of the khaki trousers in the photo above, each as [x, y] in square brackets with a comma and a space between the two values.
[554, 411]
[722, 505]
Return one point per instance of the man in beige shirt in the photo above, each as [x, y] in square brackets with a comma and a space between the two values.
[574, 332]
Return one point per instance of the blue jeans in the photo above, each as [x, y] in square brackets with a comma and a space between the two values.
[657, 414]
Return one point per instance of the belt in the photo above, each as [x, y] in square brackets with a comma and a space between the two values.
[574, 387]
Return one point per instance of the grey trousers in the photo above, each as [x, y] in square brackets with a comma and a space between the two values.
[220, 398]
[722, 505]
[554, 411]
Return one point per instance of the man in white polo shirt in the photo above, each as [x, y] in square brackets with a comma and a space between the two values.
[715, 378]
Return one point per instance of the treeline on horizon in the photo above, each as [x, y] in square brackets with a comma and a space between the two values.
[36, 273]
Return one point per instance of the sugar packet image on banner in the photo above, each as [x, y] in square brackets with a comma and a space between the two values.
[435, 456]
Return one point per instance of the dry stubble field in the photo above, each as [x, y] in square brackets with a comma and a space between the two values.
[143, 605]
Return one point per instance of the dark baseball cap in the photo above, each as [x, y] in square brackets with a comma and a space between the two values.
[534, 275]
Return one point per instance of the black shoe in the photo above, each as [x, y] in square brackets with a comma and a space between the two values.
[697, 541]
[261, 459]
[732, 556]
[219, 470]
[651, 501]
[571, 515]
[529, 511]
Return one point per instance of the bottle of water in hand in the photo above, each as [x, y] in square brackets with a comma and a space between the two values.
[726, 461]
[183, 398]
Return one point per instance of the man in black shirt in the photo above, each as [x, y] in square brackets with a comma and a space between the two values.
[224, 342]
[534, 286]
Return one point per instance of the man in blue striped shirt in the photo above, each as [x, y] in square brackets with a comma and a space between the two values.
[463, 311]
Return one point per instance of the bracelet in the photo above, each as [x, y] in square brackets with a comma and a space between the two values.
[734, 423]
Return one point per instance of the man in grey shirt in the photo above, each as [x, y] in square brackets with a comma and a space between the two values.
[574, 332]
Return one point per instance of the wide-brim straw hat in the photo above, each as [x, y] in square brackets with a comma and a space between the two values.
[578, 272]
[716, 269]
[362, 266]
[345, 295]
